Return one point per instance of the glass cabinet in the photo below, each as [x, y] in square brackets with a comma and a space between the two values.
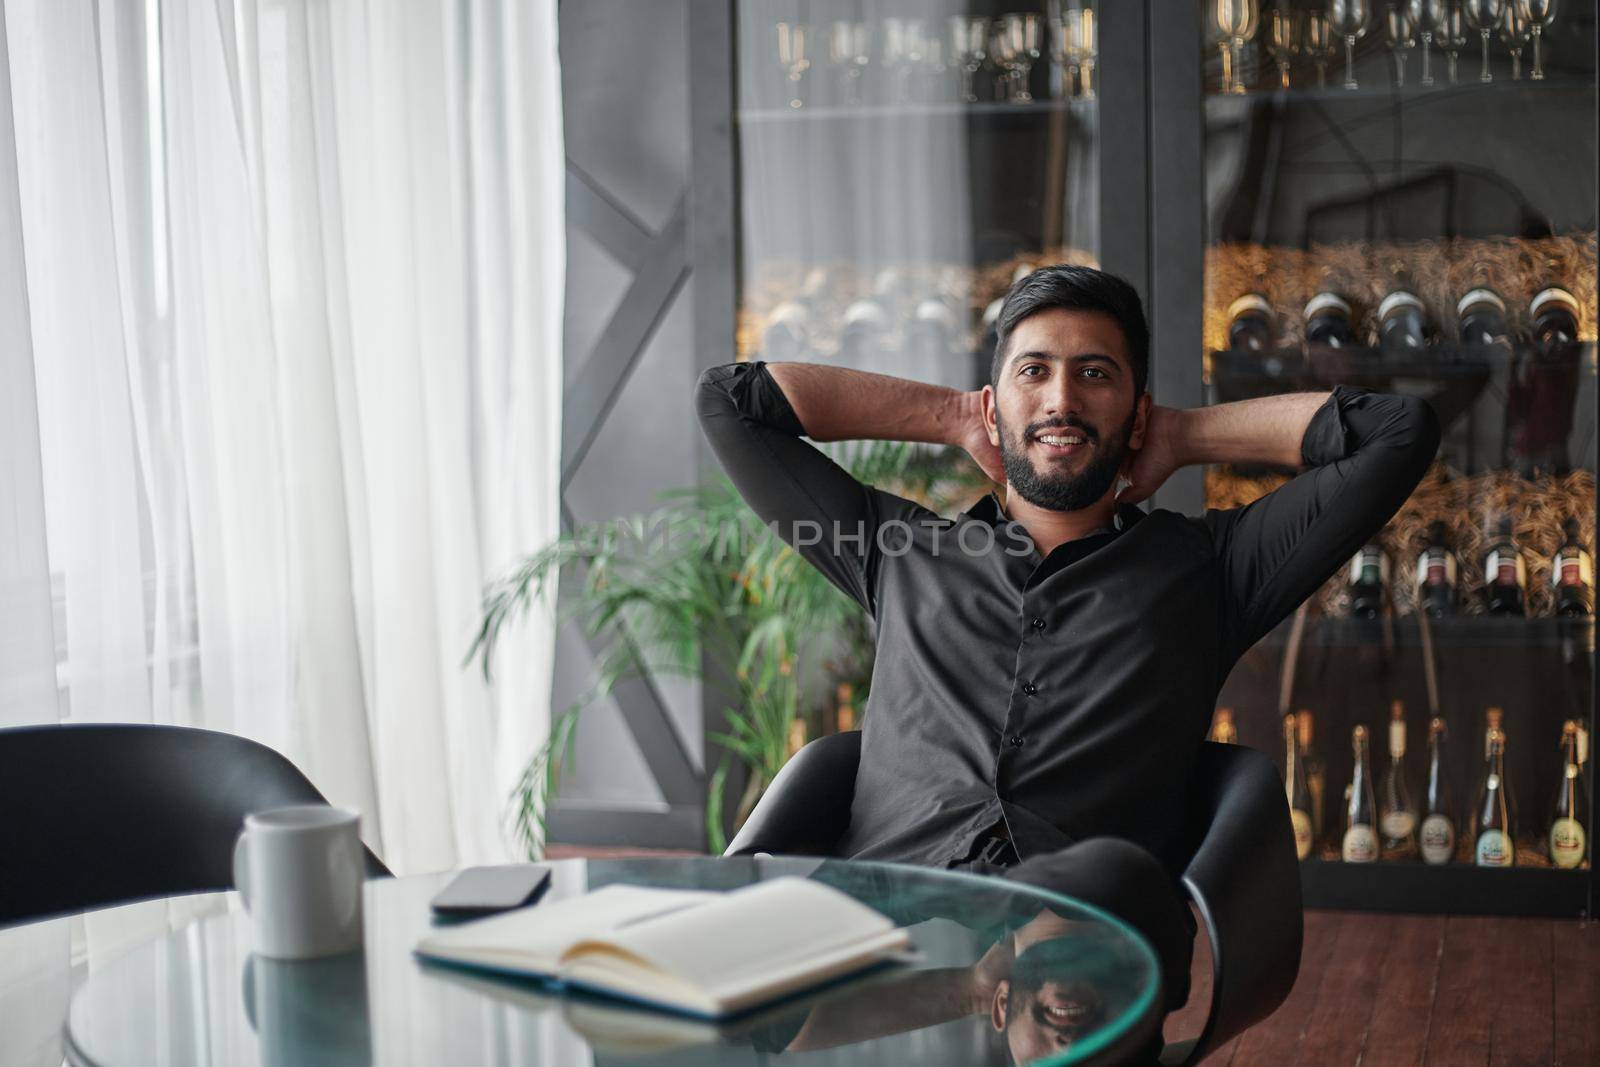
[1402, 196]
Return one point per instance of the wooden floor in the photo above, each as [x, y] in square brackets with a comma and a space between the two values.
[1404, 989]
[1391, 990]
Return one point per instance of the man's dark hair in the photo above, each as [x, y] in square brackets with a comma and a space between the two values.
[1076, 289]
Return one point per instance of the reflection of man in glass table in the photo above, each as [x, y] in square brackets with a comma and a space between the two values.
[1046, 668]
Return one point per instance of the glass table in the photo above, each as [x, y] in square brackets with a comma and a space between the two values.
[1006, 974]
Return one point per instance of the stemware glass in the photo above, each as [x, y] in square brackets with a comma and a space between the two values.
[1398, 34]
[1514, 34]
[1350, 20]
[1283, 31]
[1539, 13]
[1082, 45]
[849, 52]
[1453, 35]
[1428, 16]
[1483, 16]
[969, 39]
[1064, 54]
[1239, 20]
[902, 53]
[794, 59]
[1018, 37]
[1321, 45]
[1223, 40]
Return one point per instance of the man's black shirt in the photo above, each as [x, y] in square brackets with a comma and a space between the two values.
[1064, 695]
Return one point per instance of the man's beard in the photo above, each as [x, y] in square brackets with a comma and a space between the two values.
[1062, 491]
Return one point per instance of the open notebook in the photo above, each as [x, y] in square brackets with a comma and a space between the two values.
[701, 953]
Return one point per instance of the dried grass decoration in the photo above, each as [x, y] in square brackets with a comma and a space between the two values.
[1469, 506]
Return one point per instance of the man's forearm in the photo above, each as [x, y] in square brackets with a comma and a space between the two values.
[1268, 430]
[837, 404]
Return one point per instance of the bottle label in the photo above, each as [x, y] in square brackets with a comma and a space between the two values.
[1302, 832]
[1495, 849]
[1397, 825]
[1438, 839]
[1573, 568]
[1369, 567]
[1360, 844]
[1505, 568]
[1436, 569]
[1567, 843]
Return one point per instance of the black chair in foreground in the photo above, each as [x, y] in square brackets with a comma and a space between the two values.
[1237, 864]
[94, 814]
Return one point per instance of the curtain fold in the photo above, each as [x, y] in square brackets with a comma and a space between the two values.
[280, 386]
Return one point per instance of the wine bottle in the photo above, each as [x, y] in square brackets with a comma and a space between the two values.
[1250, 324]
[866, 329]
[787, 335]
[1316, 774]
[1505, 573]
[1494, 830]
[990, 321]
[1328, 321]
[1360, 844]
[1436, 574]
[930, 341]
[1294, 784]
[1222, 729]
[1398, 814]
[1481, 314]
[1568, 838]
[1438, 834]
[1402, 323]
[1554, 314]
[1369, 576]
[1572, 574]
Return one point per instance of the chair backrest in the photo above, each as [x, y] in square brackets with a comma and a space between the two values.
[95, 814]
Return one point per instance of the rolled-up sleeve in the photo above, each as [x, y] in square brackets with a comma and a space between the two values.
[813, 504]
[1364, 453]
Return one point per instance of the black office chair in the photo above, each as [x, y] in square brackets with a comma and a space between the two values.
[1237, 858]
[94, 814]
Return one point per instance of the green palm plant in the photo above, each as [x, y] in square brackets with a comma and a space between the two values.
[700, 588]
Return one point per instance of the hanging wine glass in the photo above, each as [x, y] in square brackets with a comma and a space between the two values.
[1238, 19]
[900, 56]
[1223, 40]
[1320, 43]
[1427, 16]
[1397, 33]
[849, 51]
[1484, 16]
[1064, 55]
[1539, 13]
[1082, 45]
[1453, 35]
[1281, 36]
[1350, 19]
[1019, 49]
[1514, 34]
[792, 56]
[969, 37]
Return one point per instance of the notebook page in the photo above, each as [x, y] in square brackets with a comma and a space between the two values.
[738, 940]
[533, 939]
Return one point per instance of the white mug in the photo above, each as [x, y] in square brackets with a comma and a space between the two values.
[300, 872]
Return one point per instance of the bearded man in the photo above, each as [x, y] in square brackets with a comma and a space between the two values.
[1047, 665]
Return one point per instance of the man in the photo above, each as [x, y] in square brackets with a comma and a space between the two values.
[1046, 668]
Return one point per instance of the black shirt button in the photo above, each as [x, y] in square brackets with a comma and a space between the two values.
[1029, 688]
[1038, 624]
[1016, 740]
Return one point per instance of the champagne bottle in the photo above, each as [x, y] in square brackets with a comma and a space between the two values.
[1250, 324]
[1572, 574]
[1569, 839]
[1399, 815]
[1438, 844]
[1505, 573]
[1328, 323]
[1360, 844]
[1494, 722]
[1436, 574]
[1222, 729]
[1316, 774]
[1294, 784]
[1402, 322]
[1494, 831]
[1369, 576]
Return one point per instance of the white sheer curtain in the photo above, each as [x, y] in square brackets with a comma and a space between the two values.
[280, 381]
